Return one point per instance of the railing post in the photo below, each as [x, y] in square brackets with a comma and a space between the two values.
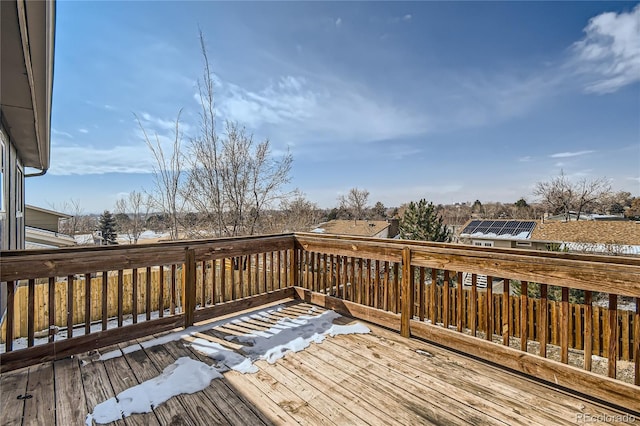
[407, 294]
[293, 267]
[189, 286]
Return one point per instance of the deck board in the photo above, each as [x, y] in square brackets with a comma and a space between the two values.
[70, 401]
[171, 412]
[376, 379]
[38, 410]
[11, 387]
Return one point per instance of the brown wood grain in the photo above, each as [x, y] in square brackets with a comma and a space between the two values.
[506, 314]
[105, 306]
[407, 294]
[148, 293]
[636, 342]
[69, 306]
[120, 296]
[542, 320]
[564, 327]
[588, 333]
[189, 284]
[134, 295]
[51, 308]
[31, 313]
[612, 355]
[524, 318]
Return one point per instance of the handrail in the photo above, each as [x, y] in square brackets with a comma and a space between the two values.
[585, 272]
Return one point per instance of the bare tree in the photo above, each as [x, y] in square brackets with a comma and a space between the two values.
[72, 225]
[589, 192]
[204, 183]
[231, 179]
[298, 214]
[561, 196]
[355, 202]
[137, 210]
[167, 175]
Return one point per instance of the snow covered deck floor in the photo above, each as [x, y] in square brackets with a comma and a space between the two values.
[378, 378]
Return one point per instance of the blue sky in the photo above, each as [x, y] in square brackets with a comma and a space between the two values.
[446, 101]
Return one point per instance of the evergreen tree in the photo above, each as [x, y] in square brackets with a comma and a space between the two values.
[107, 227]
[420, 221]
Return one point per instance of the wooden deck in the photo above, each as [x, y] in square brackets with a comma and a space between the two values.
[378, 379]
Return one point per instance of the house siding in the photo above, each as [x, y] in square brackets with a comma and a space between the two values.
[12, 216]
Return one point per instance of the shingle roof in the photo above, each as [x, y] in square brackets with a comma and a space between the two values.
[591, 231]
[361, 228]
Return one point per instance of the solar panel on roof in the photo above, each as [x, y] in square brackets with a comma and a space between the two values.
[470, 228]
[499, 227]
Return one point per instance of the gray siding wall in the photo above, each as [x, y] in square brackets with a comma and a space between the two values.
[12, 210]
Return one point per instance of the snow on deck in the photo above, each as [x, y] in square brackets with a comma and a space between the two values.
[188, 376]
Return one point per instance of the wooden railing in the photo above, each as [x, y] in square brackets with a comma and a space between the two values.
[112, 294]
[391, 283]
[69, 300]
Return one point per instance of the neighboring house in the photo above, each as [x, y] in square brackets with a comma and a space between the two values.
[42, 229]
[360, 228]
[589, 236]
[26, 77]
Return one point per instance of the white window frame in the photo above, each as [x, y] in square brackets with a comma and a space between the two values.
[482, 243]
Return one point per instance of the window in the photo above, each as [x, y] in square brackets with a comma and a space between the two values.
[480, 243]
[19, 192]
[523, 244]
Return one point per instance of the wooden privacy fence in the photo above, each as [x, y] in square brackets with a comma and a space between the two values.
[147, 288]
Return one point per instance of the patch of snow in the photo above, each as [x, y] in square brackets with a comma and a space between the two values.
[275, 342]
[172, 337]
[83, 239]
[185, 375]
[318, 231]
[111, 354]
[224, 356]
[271, 345]
[524, 235]
[602, 248]
[188, 376]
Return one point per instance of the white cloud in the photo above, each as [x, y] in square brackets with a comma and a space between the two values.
[296, 111]
[609, 54]
[570, 154]
[559, 164]
[407, 17]
[109, 107]
[338, 22]
[637, 179]
[132, 156]
[85, 131]
[83, 160]
[61, 133]
[525, 159]
[161, 125]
